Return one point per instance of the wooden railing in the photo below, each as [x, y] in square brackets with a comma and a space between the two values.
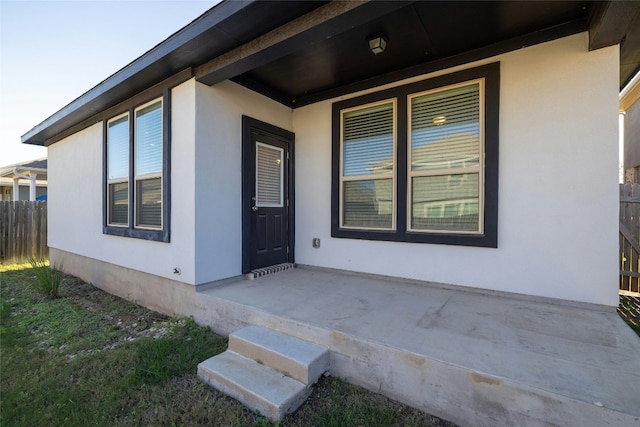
[630, 237]
[23, 231]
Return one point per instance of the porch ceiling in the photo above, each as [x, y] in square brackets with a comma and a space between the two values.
[300, 52]
[422, 37]
[421, 34]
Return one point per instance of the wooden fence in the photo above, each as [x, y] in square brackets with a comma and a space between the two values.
[23, 231]
[630, 237]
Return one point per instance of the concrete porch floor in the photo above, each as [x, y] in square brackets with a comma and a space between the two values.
[472, 358]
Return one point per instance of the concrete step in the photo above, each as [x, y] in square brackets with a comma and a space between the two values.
[267, 371]
[301, 360]
[258, 387]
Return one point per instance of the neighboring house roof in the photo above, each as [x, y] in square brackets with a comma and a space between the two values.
[300, 52]
[23, 169]
[630, 93]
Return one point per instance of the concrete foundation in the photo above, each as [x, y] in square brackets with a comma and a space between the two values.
[157, 293]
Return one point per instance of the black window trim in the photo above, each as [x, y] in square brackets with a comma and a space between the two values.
[160, 235]
[491, 75]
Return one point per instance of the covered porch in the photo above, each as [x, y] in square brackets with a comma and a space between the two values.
[469, 356]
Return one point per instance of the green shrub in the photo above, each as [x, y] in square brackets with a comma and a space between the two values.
[48, 277]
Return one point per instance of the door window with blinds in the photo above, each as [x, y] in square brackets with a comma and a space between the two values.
[269, 176]
[135, 157]
[419, 163]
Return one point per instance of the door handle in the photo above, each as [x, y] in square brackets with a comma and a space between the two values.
[254, 208]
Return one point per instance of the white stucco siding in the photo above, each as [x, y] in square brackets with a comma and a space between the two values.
[75, 199]
[218, 169]
[558, 207]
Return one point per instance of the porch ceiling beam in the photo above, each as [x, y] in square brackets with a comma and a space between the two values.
[322, 23]
[610, 22]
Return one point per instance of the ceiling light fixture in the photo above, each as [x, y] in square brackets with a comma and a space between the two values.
[439, 120]
[377, 43]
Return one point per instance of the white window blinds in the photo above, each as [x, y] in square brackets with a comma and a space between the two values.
[148, 139]
[269, 173]
[118, 171]
[148, 166]
[445, 160]
[368, 167]
[119, 203]
[149, 202]
[368, 141]
[445, 129]
[118, 148]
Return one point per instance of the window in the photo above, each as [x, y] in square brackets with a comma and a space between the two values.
[367, 167]
[148, 165]
[118, 174]
[419, 163]
[136, 147]
[445, 153]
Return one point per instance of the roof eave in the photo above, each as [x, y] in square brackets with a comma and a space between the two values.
[607, 25]
[89, 103]
[12, 171]
[630, 94]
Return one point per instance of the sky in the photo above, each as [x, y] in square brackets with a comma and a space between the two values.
[51, 52]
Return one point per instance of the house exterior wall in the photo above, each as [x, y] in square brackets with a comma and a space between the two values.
[557, 220]
[218, 192]
[632, 143]
[206, 233]
[558, 136]
[76, 217]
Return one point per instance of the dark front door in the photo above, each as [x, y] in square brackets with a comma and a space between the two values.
[267, 170]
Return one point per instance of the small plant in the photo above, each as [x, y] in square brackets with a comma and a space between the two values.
[48, 277]
[262, 421]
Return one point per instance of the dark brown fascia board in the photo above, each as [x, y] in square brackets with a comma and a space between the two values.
[537, 37]
[610, 21]
[88, 104]
[324, 22]
[138, 99]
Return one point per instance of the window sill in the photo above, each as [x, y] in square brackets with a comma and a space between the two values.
[153, 235]
[489, 240]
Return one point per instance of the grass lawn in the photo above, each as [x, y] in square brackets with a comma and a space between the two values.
[90, 358]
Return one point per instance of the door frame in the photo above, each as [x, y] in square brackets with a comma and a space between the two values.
[250, 125]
